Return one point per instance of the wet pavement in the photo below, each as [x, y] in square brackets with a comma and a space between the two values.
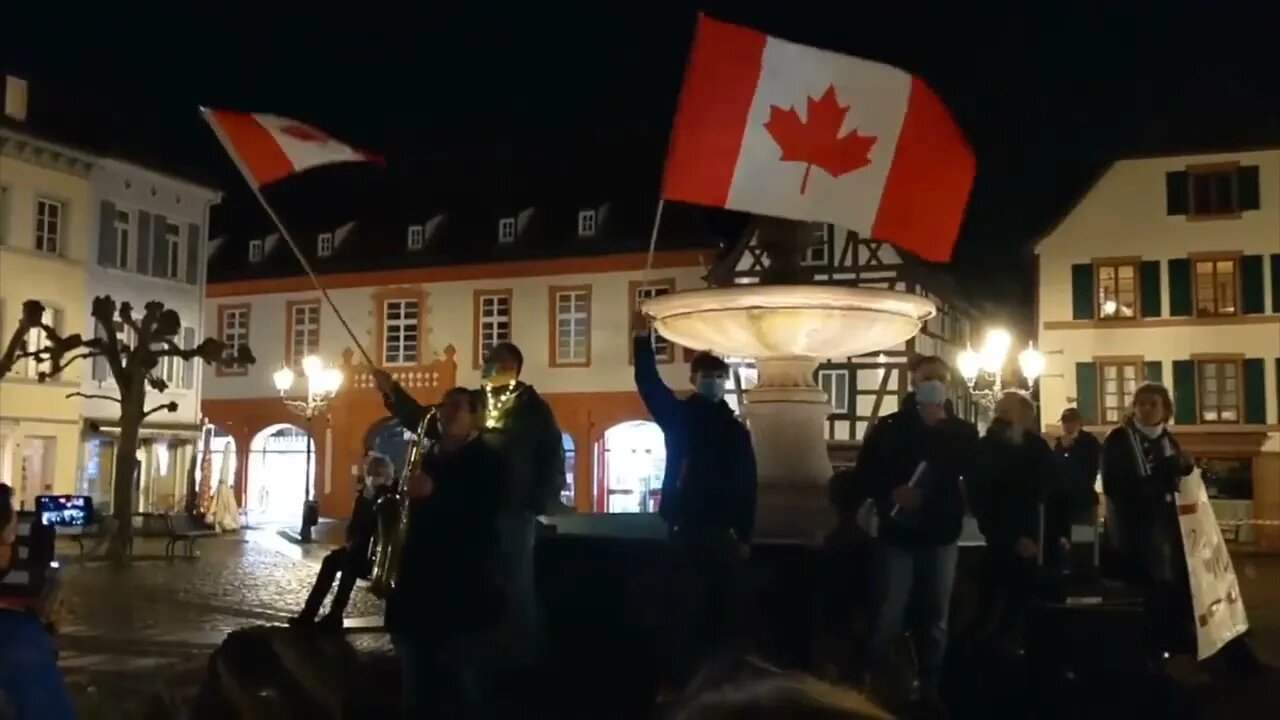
[137, 637]
[132, 636]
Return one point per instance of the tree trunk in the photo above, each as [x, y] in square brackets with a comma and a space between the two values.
[122, 492]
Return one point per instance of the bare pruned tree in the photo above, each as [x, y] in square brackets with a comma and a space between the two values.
[133, 367]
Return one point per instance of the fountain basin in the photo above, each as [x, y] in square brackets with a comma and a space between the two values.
[788, 321]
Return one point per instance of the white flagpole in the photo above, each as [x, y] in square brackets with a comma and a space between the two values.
[284, 232]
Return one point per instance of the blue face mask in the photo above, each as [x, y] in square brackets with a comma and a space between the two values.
[710, 387]
[931, 392]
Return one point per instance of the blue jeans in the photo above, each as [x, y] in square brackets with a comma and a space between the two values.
[31, 684]
[521, 628]
[919, 579]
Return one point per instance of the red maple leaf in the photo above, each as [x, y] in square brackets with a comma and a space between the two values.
[305, 133]
[816, 140]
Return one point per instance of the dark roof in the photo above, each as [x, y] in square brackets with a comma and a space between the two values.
[376, 236]
[79, 124]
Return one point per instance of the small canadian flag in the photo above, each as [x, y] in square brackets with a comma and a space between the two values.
[269, 147]
[775, 128]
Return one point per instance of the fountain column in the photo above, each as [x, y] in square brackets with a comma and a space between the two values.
[787, 414]
[787, 324]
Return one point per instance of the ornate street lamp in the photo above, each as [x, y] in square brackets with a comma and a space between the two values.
[983, 370]
[322, 385]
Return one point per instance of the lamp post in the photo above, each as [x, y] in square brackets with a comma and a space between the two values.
[983, 369]
[322, 385]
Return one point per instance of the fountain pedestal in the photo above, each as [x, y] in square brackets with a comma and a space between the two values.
[787, 329]
[787, 414]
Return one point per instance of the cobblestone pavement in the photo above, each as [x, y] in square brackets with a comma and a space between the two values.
[131, 633]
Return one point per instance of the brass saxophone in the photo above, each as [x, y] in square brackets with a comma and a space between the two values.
[392, 513]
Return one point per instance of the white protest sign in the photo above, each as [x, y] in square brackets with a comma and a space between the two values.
[1215, 591]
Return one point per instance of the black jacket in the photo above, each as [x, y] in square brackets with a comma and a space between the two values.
[1078, 467]
[448, 579]
[894, 446]
[710, 476]
[1142, 510]
[1008, 485]
[527, 436]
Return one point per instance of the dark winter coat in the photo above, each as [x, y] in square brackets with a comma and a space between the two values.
[892, 450]
[1077, 474]
[1008, 485]
[1142, 510]
[709, 482]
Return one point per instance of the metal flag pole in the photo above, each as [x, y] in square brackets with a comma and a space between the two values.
[284, 232]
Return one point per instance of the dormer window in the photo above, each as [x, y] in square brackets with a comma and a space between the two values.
[415, 237]
[255, 251]
[507, 230]
[586, 223]
[324, 244]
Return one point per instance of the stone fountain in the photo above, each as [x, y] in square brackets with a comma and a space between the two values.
[787, 324]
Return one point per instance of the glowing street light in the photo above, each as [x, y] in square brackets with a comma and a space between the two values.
[987, 364]
[322, 384]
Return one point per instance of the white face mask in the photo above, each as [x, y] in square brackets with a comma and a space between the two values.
[1151, 431]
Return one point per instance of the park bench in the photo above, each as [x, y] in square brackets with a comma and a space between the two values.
[184, 529]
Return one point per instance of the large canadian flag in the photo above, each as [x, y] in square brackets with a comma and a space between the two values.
[269, 147]
[771, 127]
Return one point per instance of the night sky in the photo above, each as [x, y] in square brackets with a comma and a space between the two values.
[511, 93]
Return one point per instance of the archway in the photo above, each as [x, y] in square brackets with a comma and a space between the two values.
[570, 462]
[277, 479]
[630, 460]
[388, 437]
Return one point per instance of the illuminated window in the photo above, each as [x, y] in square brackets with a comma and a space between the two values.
[1118, 291]
[573, 326]
[400, 332]
[493, 321]
[1219, 391]
[48, 226]
[304, 336]
[1215, 287]
[1119, 383]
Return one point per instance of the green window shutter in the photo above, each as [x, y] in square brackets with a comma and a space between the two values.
[1247, 189]
[1153, 372]
[1184, 392]
[1177, 190]
[1180, 304]
[1149, 281]
[1275, 283]
[1253, 294]
[1083, 297]
[1255, 391]
[1087, 392]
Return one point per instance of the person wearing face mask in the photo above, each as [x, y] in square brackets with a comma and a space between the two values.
[1012, 471]
[1142, 470]
[708, 501]
[911, 463]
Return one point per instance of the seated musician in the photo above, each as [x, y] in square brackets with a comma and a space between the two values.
[351, 559]
[447, 594]
[31, 684]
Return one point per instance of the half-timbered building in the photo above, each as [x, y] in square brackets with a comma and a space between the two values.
[863, 388]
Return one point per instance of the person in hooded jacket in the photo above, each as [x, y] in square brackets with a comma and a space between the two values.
[911, 464]
[708, 500]
[1013, 468]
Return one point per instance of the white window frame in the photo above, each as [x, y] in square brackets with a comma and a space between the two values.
[171, 366]
[507, 230]
[818, 253]
[415, 238]
[829, 380]
[124, 238]
[586, 223]
[307, 321]
[488, 320]
[234, 331]
[402, 328]
[324, 244]
[45, 241]
[255, 250]
[173, 235]
[663, 349]
[579, 326]
[36, 340]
